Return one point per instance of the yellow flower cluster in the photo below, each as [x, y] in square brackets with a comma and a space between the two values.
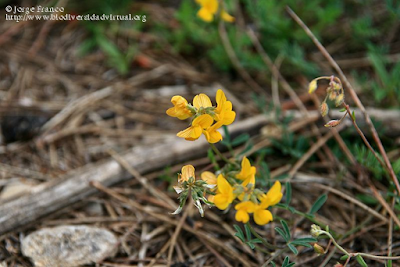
[208, 10]
[241, 187]
[204, 115]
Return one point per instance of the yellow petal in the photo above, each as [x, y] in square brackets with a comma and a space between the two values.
[221, 201]
[205, 15]
[180, 109]
[220, 98]
[242, 216]
[212, 135]
[204, 121]
[247, 170]
[274, 195]
[202, 100]
[312, 86]
[187, 172]
[247, 206]
[228, 117]
[228, 18]
[262, 217]
[210, 5]
[178, 100]
[171, 112]
[192, 133]
[250, 180]
[209, 177]
[223, 186]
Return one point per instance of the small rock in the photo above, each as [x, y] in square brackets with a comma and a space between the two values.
[69, 246]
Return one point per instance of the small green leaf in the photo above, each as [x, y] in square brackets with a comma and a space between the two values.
[342, 110]
[306, 239]
[256, 240]
[293, 249]
[273, 264]
[282, 233]
[248, 231]
[227, 136]
[251, 245]
[285, 261]
[361, 261]
[239, 233]
[353, 115]
[318, 204]
[344, 257]
[288, 188]
[247, 148]
[240, 139]
[300, 243]
[286, 228]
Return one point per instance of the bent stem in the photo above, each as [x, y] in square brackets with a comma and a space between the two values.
[366, 255]
[363, 136]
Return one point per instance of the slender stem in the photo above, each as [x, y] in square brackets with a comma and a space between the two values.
[336, 244]
[216, 150]
[305, 215]
[265, 242]
[377, 257]
[357, 253]
[363, 136]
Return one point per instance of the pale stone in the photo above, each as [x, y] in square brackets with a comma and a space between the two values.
[69, 246]
[15, 188]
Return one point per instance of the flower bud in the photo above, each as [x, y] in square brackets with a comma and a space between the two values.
[339, 99]
[332, 123]
[336, 86]
[315, 230]
[312, 86]
[318, 249]
[338, 265]
[332, 95]
[324, 109]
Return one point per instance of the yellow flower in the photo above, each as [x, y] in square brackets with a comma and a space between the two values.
[209, 8]
[186, 172]
[201, 101]
[247, 173]
[261, 214]
[211, 133]
[224, 111]
[193, 132]
[243, 210]
[211, 180]
[179, 110]
[225, 195]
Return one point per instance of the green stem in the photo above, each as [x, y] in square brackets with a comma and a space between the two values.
[265, 242]
[216, 151]
[277, 254]
[358, 253]
[305, 215]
